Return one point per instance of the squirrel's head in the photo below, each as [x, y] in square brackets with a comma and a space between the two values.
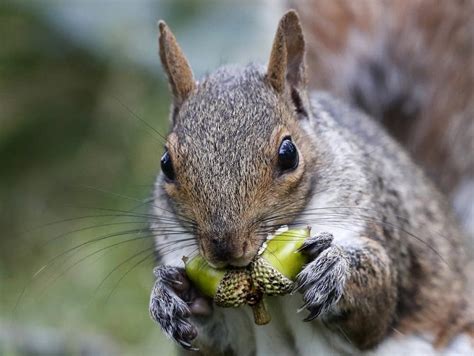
[237, 162]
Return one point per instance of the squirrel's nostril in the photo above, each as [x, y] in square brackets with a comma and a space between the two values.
[217, 242]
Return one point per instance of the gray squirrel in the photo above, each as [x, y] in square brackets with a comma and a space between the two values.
[251, 149]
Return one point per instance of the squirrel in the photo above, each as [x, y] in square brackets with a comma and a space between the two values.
[251, 149]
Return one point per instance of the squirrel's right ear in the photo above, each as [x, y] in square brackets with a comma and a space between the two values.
[175, 64]
[287, 57]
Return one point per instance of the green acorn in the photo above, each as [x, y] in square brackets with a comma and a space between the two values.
[271, 273]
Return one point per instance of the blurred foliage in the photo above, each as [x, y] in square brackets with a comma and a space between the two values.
[69, 129]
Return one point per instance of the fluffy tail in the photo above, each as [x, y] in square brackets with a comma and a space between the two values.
[410, 64]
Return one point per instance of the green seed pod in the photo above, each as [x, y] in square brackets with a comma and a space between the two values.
[282, 252]
[270, 273]
[206, 278]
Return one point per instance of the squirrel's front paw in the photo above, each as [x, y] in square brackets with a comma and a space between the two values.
[322, 281]
[173, 301]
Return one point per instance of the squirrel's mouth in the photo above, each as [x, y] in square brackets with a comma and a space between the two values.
[235, 262]
[247, 256]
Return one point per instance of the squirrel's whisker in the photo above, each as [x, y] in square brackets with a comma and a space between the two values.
[126, 273]
[111, 272]
[162, 138]
[65, 270]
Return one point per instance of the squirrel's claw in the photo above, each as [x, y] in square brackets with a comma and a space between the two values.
[313, 313]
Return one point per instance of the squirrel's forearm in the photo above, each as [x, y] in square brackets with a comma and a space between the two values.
[368, 304]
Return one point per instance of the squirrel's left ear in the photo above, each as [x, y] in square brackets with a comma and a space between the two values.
[286, 63]
[176, 66]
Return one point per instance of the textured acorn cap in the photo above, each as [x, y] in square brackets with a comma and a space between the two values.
[234, 288]
[268, 279]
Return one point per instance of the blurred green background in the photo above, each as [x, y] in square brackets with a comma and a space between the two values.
[78, 79]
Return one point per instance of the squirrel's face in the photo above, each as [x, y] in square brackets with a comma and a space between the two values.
[237, 164]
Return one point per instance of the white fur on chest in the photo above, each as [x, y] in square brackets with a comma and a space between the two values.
[172, 250]
[408, 345]
[344, 227]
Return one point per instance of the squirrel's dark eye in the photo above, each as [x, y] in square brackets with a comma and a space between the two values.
[167, 166]
[287, 155]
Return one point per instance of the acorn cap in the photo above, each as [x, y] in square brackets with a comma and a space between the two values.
[234, 288]
[268, 279]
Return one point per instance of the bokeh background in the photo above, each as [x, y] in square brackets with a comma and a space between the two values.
[80, 88]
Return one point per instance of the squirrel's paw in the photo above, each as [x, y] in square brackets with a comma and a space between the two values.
[173, 301]
[322, 281]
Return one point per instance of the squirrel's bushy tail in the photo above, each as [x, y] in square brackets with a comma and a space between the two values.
[410, 64]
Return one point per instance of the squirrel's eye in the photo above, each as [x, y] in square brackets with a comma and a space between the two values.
[287, 155]
[167, 166]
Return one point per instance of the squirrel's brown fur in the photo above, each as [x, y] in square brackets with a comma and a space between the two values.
[396, 262]
[409, 64]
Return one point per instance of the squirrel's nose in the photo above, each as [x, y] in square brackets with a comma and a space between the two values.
[228, 250]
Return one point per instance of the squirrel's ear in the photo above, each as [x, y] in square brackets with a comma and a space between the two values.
[175, 64]
[287, 57]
